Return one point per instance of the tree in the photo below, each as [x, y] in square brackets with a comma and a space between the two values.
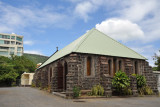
[157, 62]
[12, 68]
[22, 64]
[7, 72]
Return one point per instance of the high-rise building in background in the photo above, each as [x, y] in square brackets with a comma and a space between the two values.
[11, 44]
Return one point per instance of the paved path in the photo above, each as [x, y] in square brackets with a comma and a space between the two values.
[30, 97]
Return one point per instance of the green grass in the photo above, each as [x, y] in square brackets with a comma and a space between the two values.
[36, 58]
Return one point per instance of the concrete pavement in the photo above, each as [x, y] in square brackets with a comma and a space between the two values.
[31, 97]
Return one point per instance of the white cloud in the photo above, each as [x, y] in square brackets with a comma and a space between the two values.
[28, 42]
[14, 19]
[147, 51]
[119, 29]
[33, 52]
[84, 8]
[136, 10]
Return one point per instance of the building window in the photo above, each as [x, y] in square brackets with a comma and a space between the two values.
[12, 42]
[120, 65]
[109, 67]
[18, 38]
[6, 42]
[12, 37]
[136, 67]
[19, 49]
[50, 74]
[88, 66]
[3, 53]
[19, 53]
[114, 66]
[1, 41]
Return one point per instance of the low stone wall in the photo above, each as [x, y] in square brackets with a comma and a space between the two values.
[151, 79]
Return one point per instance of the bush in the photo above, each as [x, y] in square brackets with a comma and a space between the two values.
[141, 81]
[97, 90]
[76, 92]
[120, 81]
[127, 91]
[33, 85]
[146, 90]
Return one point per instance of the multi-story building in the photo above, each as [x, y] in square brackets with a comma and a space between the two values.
[11, 44]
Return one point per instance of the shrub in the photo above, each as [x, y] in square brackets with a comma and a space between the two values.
[127, 91]
[76, 92]
[146, 90]
[141, 81]
[97, 90]
[120, 81]
[33, 85]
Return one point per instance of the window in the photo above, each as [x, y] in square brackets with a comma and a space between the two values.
[114, 66]
[88, 66]
[11, 53]
[50, 74]
[12, 42]
[12, 48]
[3, 53]
[120, 65]
[19, 49]
[5, 48]
[12, 37]
[109, 67]
[6, 42]
[136, 67]
[1, 41]
[19, 39]
[17, 43]
[19, 54]
[5, 36]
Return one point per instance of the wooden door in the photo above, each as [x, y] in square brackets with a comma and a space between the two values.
[60, 76]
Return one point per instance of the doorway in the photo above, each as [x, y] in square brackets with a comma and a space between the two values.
[60, 76]
[65, 75]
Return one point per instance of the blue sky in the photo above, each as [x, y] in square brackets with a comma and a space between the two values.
[46, 24]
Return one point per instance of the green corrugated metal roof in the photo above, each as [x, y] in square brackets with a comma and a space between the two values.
[95, 42]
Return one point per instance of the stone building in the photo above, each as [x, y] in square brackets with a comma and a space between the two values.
[90, 60]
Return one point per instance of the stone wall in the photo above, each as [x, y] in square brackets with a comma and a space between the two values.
[76, 76]
[151, 78]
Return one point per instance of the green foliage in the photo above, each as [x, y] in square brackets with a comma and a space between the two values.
[33, 85]
[141, 81]
[22, 64]
[120, 81]
[127, 91]
[12, 68]
[35, 58]
[145, 90]
[89, 93]
[97, 90]
[76, 92]
[157, 62]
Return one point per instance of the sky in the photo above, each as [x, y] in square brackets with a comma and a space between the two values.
[47, 24]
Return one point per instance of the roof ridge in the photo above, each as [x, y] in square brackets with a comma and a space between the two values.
[87, 35]
[120, 43]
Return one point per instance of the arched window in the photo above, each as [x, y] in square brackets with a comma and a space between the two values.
[109, 67]
[136, 67]
[120, 65]
[114, 66]
[88, 66]
[50, 74]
